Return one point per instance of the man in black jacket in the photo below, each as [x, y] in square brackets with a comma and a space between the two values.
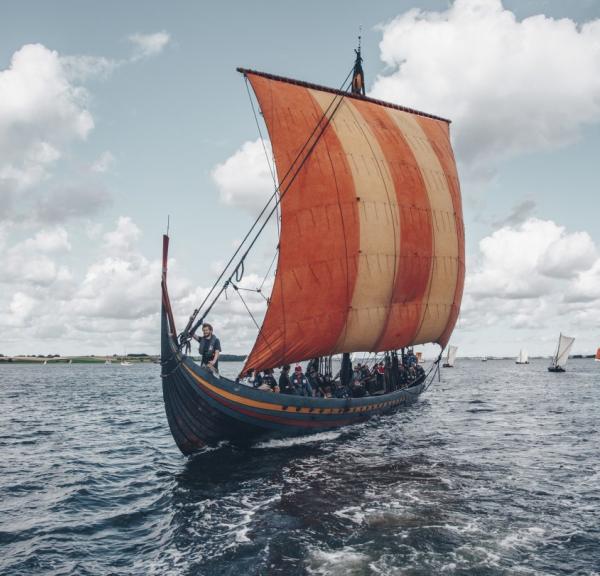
[209, 347]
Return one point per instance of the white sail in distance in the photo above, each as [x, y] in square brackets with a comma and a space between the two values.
[523, 357]
[452, 350]
[565, 343]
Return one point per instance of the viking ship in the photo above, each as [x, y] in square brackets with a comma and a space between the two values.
[370, 259]
[452, 351]
[561, 356]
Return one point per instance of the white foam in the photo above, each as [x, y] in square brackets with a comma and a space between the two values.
[344, 562]
[297, 440]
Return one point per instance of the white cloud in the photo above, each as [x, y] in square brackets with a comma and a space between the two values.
[522, 262]
[509, 86]
[114, 306]
[534, 276]
[32, 261]
[586, 286]
[244, 179]
[149, 44]
[80, 68]
[123, 238]
[20, 309]
[41, 112]
[103, 163]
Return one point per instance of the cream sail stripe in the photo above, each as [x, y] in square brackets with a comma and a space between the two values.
[444, 265]
[377, 228]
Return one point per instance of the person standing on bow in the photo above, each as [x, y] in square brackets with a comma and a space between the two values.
[209, 348]
[301, 383]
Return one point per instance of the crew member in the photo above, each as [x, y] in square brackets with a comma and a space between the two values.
[209, 348]
[300, 382]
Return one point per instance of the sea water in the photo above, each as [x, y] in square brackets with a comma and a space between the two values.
[494, 471]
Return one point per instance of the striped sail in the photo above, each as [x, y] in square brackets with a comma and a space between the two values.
[371, 253]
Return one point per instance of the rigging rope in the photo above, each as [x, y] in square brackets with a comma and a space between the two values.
[191, 327]
[262, 140]
[237, 289]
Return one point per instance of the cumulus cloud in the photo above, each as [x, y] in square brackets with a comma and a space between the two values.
[149, 44]
[244, 179]
[32, 261]
[114, 305]
[509, 86]
[40, 111]
[45, 111]
[532, 276]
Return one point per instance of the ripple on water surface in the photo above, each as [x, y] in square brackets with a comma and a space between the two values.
[494, 471]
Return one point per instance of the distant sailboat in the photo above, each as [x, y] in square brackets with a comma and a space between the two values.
[45, 362]
[125, 363]
[452, 350]
[484, 359]
[523, 357]
[559, 360]
[597, 355]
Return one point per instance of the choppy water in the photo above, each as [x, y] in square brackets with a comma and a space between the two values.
[495, 471]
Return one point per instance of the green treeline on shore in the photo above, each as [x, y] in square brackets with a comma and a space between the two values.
[93, 359]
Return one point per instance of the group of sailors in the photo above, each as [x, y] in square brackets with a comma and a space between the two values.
[392, 373]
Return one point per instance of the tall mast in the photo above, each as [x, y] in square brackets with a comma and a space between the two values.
[358, 76]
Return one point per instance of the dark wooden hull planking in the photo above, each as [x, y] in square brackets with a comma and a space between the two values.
[555, 369]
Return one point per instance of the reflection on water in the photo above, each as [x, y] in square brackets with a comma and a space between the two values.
[494, 471]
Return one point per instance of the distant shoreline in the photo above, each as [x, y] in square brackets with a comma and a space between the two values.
[114, 359]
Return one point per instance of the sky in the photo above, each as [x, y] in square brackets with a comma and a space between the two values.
[115, 116]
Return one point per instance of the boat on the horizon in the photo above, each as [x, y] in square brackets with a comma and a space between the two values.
[370, 259]
[452, 350]
[561, 356]
[523, 357]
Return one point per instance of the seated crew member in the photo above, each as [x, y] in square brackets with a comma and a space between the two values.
[209, 348]
[300, 382]
[285, 384]
[248, 379]
[258, 379]
[379, 370]
[268, 384]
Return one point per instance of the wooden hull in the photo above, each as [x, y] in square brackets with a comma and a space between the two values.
[203, 409]
[555, 369]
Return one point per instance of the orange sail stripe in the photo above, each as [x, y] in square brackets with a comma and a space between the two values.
[442, 280]
[438, 135]
[413, 266]
[319, 234]
[377, 228]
